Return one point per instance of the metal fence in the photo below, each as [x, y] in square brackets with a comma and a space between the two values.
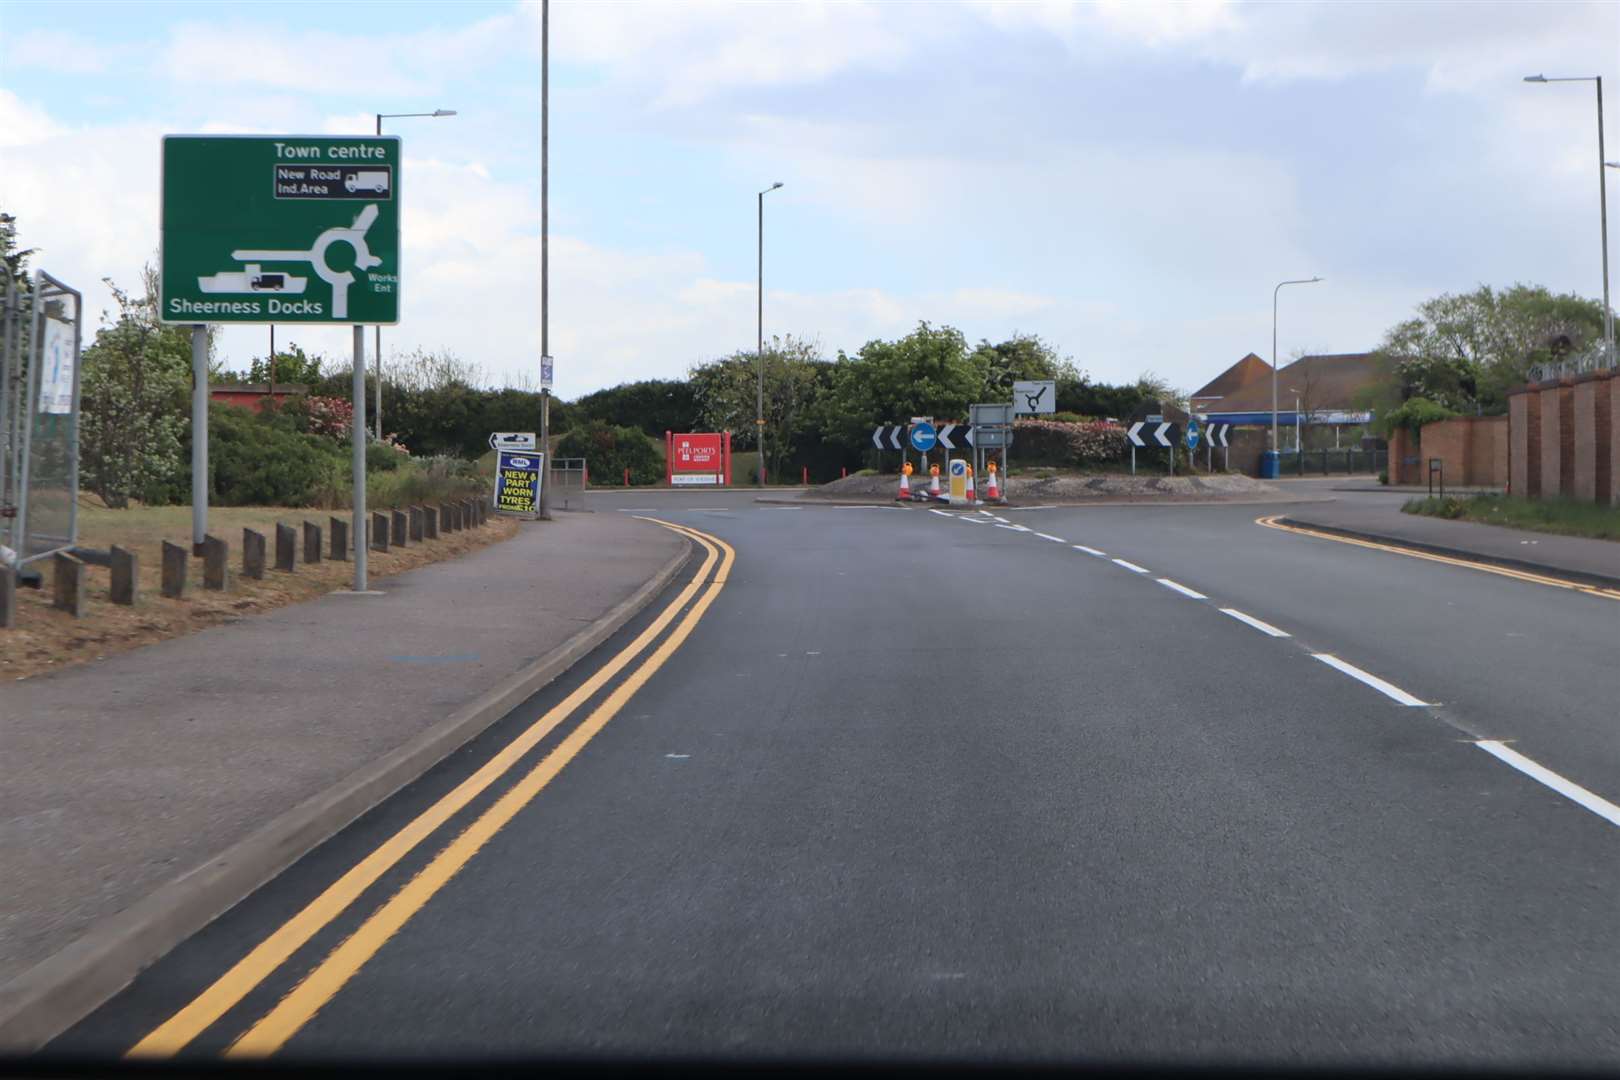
[1330, 462]
[1597, 358]
[40, 326]
[569, 477]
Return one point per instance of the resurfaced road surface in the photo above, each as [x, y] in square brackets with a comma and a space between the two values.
[1123, 783]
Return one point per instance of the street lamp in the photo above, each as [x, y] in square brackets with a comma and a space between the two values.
[1297, 281]
[759, 356]
[1603, 201]
[377, 360]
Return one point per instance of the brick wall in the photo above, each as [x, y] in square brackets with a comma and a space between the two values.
[1562, 439]
[1584, 440]
[1524, 442]
[1614, 440]
[1472, 448]
[1557, 436]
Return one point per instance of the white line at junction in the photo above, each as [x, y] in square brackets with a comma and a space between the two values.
[1570, 790]
[1388, 689]
[1250, 620]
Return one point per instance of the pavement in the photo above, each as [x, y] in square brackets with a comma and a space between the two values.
[142, 790]
[1377, 515]
[1115, 784]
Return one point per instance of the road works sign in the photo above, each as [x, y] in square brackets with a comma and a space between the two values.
[280, 229]
[517, 483]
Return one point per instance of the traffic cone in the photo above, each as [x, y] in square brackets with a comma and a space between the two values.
[970, 494]
[905, 484]
[992, 490]
[933, 484]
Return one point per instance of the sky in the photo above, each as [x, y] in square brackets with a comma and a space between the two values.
[1127, 180]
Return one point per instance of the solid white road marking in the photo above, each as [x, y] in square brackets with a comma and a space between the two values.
[1182, 589]
[1132, 567]
[941, 513]
[638, 509]
[1090, 551]
[1263, 627]
[1054, 539]
[1389, 690]
[1570, 790]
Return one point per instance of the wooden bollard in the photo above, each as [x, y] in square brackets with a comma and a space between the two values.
[8, 598]
[175, 560]
[447, 517]
[125, 578]
[253, 554]
[286, 548]
[216, 564]
[430, 522]
[379, 532]
[340, 539]
[312, 542]
[418, 526]
[68, 586]
[402, 528]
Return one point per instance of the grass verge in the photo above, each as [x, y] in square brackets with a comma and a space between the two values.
[45, 639]
[1566, 517]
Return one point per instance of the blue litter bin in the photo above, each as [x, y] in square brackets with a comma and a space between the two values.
[1270, 465]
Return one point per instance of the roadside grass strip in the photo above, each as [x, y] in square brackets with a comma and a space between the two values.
[1388, 689]
[1250, 620]
[1182, 589]
[1570, 790]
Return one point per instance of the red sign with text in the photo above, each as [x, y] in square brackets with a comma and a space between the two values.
[701, 458]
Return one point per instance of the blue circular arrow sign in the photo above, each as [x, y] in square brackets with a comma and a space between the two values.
[1192, 432]
[923, 437]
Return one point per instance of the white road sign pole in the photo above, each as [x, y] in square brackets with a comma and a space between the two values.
[199, 437]
[358, 435]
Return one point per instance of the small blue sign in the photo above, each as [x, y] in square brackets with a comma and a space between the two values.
[923, 437]
[1192, 432]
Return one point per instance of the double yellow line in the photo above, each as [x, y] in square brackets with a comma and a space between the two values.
[300, 1005]
[1489, 568]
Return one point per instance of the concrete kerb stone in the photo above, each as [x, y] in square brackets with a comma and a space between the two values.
[1579, 577]
[61, 990]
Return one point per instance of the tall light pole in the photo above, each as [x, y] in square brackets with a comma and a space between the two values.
[1603, 203]
[545, 260]
[759, 356]
[377, 359]
[1296, 281]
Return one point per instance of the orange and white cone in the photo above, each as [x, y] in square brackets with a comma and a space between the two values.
[933, 484]
[970, 494]
[992, 490]
[905, 484]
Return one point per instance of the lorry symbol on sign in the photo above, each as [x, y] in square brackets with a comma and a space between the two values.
[368, 181]
[250, 279]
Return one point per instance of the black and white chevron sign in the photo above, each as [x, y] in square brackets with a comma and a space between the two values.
[955, 436]
[1217, 434]
[888, 436]
[1161, 433]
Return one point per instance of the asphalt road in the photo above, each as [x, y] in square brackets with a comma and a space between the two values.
[918, 787]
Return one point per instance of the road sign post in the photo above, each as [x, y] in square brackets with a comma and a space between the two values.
[279, 229]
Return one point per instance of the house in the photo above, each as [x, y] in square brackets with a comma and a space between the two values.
[1248, 370]
[1312, 390]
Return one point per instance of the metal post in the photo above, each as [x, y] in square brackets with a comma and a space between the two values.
[759, 355]
[377, 352]
[545, 255]
[358, 437]
[199, 436]
[1603, 212]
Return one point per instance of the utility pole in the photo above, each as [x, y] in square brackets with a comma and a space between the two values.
[759, 356]
[545, 260]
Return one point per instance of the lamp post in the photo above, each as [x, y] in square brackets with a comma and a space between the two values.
[377, 359]
[1275, 446]
[759, 356]
[1603, 202]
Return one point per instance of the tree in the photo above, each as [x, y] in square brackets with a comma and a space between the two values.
[725, 392]
[134, 383]
[929, 372]
[16, 259]
[1464, 351]
[653, 405]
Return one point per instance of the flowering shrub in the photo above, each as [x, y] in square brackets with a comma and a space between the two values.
[1058, 443]
[330, 416]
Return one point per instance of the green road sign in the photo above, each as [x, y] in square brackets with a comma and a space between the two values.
[280, 229]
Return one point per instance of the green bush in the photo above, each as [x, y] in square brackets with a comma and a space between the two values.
[259, 459]
[381, 457]
[609, 449]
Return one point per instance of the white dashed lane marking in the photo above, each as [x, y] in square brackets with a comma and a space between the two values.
[1182, 589]
[1570, 790]
[1054, 539]
[1388, 689]
[1132, 567]
[1250, 620]
[1090, 551]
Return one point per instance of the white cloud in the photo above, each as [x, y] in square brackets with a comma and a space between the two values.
[22, 124]
[62, 52]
